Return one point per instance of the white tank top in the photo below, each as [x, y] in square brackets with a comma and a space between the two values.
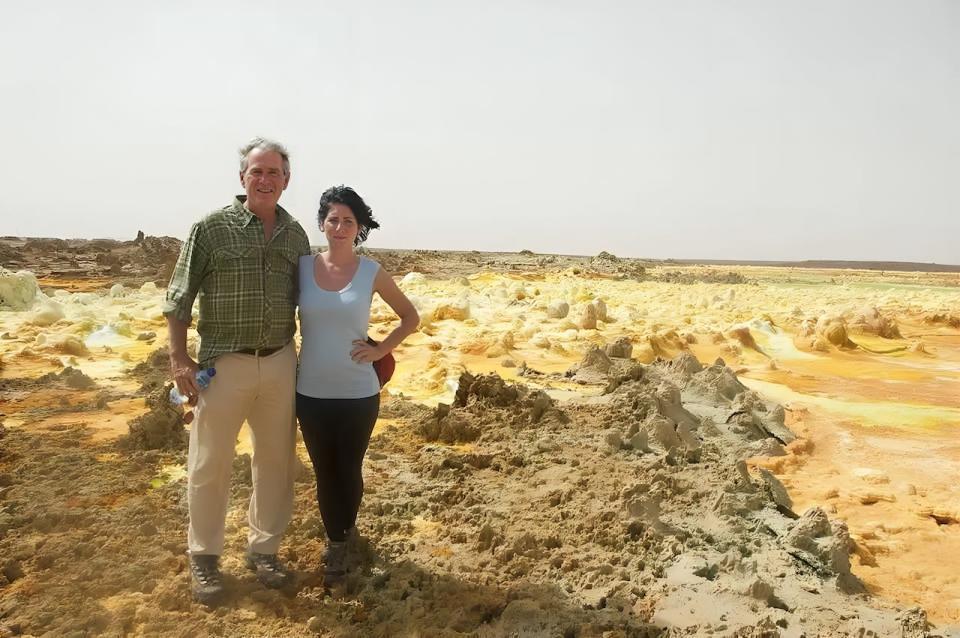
[329, 323]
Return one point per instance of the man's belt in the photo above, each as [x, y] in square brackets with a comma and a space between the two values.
[260, 352]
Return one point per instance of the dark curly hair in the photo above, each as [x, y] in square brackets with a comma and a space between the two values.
[349, 198]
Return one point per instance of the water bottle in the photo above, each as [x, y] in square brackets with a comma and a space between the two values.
[203, 380]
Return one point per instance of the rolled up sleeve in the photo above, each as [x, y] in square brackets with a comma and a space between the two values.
[187, 276]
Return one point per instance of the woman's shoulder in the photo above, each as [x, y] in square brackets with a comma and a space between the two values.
[370, 263]
[307, 258]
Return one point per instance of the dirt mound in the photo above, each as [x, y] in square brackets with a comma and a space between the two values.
[699, 275]
[161, 427]
[592, 368]
[942, 318]
[599, 367]
[684, 365]
[870, 321]
[487, 403]
[154, 371]
[825, 545]
[664, 345]
[69, 377]
[160, 253]
[608, 264]
[826, 331]
[622, 348]
[834, 331]
[717, 383]
[745, 338]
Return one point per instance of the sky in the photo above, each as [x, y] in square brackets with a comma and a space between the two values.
[768, 130]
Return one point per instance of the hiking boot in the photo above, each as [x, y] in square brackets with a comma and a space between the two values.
[207, 581]
[353, 537]
[270, 572]
[334, 562]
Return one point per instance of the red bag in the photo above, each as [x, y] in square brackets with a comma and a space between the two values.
[384, 366]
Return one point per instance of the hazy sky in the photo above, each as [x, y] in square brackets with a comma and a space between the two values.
[697, 129]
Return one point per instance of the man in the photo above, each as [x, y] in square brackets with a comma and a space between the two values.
[242, 262]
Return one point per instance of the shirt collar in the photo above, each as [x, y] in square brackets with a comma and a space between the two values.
[244, 216]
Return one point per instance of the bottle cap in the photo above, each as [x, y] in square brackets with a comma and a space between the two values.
[211, 372]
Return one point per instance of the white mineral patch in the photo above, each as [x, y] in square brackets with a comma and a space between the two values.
[106, 336]
[47, 314]
[18, 290]
[412, 278]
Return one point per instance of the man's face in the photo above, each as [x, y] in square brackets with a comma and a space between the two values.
[264, 179]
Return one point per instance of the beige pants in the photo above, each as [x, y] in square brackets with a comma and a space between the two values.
[259, 390]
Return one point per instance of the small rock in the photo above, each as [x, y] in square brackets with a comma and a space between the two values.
[12, 570]
[639, 442]
[777, 489]
[588, 317]
[315, 624]
[601, 309]
[870, 498]
[913, 623]
[558, 310]
[621, 348]
[664, 432]
[613, 439]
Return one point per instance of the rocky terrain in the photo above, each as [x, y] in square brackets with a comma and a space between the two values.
[633, 490]
[633, 512]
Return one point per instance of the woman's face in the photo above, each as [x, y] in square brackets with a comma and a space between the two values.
[340, 226]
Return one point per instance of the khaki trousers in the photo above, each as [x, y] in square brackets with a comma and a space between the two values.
[261, 391]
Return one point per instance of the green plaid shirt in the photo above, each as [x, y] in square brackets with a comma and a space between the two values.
[247, 285]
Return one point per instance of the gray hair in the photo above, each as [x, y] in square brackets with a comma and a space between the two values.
[264, 144]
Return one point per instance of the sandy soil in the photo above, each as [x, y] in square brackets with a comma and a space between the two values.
[537, 471]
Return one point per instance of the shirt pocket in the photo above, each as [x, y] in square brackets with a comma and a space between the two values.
[282, 267]
[283, 260]
[237, 270]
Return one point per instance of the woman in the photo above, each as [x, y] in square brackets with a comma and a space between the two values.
[338, 394]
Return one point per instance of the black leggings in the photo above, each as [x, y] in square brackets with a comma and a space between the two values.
[336, 433]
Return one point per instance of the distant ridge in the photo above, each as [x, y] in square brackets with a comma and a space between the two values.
[17, 243]
[898, 266]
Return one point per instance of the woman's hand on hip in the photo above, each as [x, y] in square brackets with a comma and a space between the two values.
[363, 352]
